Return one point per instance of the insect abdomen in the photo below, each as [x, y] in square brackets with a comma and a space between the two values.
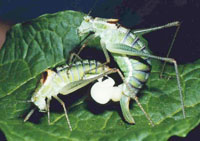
[136, 69]
[77, 70]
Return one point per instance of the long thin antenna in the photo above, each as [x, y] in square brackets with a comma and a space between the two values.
[95, 3]
[24, 101]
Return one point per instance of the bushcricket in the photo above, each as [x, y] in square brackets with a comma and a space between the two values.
[65, 80]
[131, 54]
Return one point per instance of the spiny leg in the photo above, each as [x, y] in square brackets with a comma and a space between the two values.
[65, 110]
[85, 45]
[148, 30]
[103, 64]
[170, 48]
[71, 58]
[145, 113]
[127, 50]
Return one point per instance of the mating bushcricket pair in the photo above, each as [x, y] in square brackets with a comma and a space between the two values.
[127, 49]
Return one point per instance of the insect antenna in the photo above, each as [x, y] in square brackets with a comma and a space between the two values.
[24, 101]
[31, 112]
[95, 3]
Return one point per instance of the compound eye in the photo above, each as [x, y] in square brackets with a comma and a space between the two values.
[35, 99]
[44, 77]
[87, 20]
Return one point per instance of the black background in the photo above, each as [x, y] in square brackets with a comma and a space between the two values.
[133, 14]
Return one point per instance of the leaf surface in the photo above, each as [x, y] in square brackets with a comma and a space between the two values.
[46, 42]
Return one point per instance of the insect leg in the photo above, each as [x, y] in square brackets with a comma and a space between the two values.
[148, 30]
[170, 48]
[124, 103]
[127, 50]
[83, 44]
[66, 115]
[72, 55]
[71, 60]
[29, 115]
[103, 64]
[145, 113]
[48, 110]
[107, 57]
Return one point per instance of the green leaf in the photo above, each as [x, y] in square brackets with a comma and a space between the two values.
[46, 42]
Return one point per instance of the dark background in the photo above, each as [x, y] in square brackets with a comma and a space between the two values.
[133, 14]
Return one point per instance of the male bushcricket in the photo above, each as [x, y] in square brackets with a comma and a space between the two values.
[66, 80]
[131, 55]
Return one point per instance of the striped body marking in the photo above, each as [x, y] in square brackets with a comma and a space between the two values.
[65, 80]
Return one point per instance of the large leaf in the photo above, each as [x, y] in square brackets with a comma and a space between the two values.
[44, 43]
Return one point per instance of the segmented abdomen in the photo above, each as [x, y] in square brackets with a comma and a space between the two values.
[56, 80]
[78, 69]
[136, 69]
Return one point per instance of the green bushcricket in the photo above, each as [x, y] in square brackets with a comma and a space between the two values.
[131, 54]
[65, 80]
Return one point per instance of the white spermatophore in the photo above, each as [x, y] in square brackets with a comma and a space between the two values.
[104, 91]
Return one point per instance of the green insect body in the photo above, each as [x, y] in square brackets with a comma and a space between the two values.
[66, 80]
[131, 55]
